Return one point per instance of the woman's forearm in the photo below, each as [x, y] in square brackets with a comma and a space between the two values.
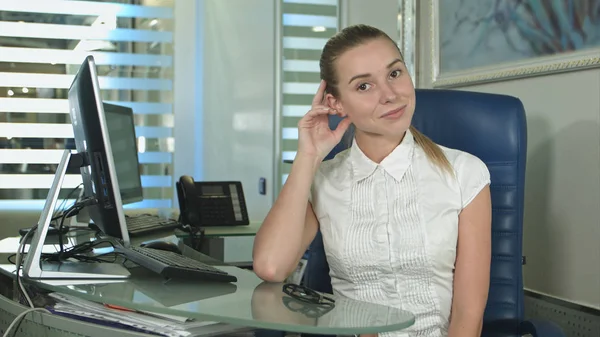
[465, 325]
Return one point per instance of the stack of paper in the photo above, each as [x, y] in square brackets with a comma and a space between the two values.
[148, 322]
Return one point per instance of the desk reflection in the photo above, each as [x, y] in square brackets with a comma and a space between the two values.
[249, 302]
[270, 304]
[148, 288]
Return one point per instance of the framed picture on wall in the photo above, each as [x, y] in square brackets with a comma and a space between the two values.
[478, 41]
[407, 32]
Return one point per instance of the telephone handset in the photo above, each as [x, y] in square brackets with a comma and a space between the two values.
[211, 203]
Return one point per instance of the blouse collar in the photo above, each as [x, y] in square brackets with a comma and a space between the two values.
[395, 164]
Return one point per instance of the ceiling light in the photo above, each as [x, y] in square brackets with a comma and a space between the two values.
[318, 29]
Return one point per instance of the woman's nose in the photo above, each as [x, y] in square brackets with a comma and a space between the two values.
[388, 94]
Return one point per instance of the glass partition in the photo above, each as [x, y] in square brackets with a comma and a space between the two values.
[306, 26]
[42, 44]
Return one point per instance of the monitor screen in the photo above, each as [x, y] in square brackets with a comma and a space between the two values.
[92, 138]
[121, 129]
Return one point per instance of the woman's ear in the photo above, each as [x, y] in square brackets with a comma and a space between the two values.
[334, 103]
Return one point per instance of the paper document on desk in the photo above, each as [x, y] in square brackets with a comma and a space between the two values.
[166, 325]
[165, 316]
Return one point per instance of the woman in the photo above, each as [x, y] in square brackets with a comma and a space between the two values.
[405, 222]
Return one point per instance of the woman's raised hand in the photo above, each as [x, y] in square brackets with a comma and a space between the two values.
[315, 138]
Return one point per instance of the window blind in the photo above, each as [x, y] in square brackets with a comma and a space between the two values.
[42, 45]
[307, 24]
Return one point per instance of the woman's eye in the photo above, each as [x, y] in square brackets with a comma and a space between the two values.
[363, 87]
[395, 73]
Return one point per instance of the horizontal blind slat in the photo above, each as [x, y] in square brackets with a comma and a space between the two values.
[301, 54]
[304, 43]
[59, 56]
[300, 88]
[292, 65]
[38, 204]
[31, 181]
[31, 156]
[50, 105]
[59, 81]
[315, 2]
[290, 110]
[91, 8]
[312, 32]
[56, 130]
[290, 122]
[289, 145]
[73, 32]
[298, 99]
[308, 20]
[289, 133]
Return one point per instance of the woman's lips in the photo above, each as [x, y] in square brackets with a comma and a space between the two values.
[394, 114]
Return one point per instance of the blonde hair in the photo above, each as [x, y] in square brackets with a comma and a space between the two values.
[433, 152]
[347, 39]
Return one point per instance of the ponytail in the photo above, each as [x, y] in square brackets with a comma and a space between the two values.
[432, 151]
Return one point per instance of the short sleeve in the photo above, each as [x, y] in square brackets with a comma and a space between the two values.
[473, 175]
[313, 194]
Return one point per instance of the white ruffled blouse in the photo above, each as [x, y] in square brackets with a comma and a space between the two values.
[390, 230]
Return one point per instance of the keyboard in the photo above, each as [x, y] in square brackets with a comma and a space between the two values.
[143, 224]
[174, 266]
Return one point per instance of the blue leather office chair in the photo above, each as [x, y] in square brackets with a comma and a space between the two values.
[493, 128]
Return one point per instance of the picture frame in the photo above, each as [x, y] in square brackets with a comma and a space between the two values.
[407, 32]
[527, 55]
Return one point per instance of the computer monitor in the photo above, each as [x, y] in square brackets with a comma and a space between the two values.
[95, 156]
[121, 130]
[106, 137]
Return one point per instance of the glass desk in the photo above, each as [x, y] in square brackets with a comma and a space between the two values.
[214, 238]
[249, 302]
[225, 231]
[209, 232]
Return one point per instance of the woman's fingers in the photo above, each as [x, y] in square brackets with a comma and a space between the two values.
[320, 95]
[321, 110]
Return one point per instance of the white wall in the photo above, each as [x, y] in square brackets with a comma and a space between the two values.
[562, 202]
[382, 14]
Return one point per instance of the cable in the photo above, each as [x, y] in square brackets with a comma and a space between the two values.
[69, 195]
[20, 317]
[21, 250]
[72, 211]
[196, 242]
[78, 252]
[19, 263]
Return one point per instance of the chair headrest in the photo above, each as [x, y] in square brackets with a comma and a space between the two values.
[489, 126]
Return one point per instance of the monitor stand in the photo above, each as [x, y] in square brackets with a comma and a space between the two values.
[34, 268]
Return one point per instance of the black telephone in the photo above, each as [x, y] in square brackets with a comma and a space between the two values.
[211, 203]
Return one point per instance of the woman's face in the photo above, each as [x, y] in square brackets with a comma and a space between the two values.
[375, 89]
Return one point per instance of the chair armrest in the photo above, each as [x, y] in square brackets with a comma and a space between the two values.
[541, 328]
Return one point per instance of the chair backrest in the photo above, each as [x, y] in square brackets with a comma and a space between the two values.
[493, 128]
